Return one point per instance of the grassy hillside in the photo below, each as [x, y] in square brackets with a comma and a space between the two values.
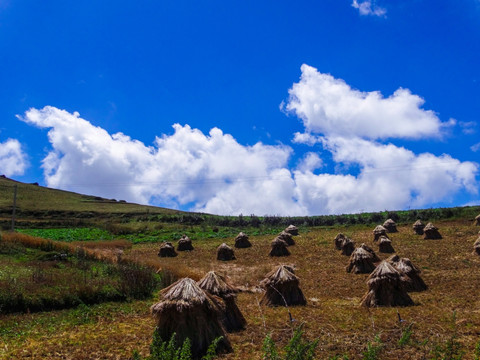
[32, 197]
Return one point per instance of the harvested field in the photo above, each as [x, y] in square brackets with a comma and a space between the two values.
[332, 313]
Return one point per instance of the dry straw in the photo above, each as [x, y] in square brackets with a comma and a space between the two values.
[218, 285]
[190, 312]
[361, 262]
[282, 288]
[386, 287]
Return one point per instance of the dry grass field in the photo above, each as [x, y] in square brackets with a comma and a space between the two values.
[449, 310]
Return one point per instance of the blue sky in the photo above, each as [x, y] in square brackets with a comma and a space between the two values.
[333, 106]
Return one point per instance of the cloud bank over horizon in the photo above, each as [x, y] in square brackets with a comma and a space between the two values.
[216, 174]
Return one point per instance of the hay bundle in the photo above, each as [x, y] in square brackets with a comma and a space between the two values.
[184, 244]
[279, 248]
[418, 227]
[339, 241]
[241, 241]
[390, 225]
[348, 246]
[477, 220]
[361, 262]
[292, 230]
[190, 312]
[167, 250]
[431, 232]
[282, 288]
[225, 253]
[365, 247]
[379, 231]
[385, 245]
[218, 285]
[386, 287]
[287, 237]
[476, 247]
[405, 266]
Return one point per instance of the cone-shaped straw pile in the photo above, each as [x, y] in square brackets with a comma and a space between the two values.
[225, 253]
[184, 244]
[167, 250]
[405, 266]
[190, 312]
[385, 245]
[339, 241]
[386, 287]
[282, 288]
[218, 285]
[418, 227]
[292, 230]
[279, 248]
[287, 237]
[347, 247]
[241, 241]
[365, 247]
[431, 232]
[361, 262]
[379, 231]
[390, 225]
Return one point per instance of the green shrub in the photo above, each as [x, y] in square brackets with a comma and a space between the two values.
[296, 349]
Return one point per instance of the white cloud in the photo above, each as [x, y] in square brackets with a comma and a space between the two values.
[330, 106]
[351, 123]
[475, 147]
[13, 161]
[310, 162]
[213, 172]
[367, 8]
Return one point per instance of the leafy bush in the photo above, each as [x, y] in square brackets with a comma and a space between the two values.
[296, 349]
[162, 350]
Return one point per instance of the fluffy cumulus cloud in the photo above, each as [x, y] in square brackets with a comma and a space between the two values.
[13, 161]
[366, 7]
[212, 173]
[351, 124]
[330, 106]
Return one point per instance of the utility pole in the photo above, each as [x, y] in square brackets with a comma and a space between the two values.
[14, 206]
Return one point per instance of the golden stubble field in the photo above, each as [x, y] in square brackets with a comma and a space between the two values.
[332, 315]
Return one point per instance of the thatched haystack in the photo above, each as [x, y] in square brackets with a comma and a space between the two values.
[184, 244]
[287, 237]
[279, 248]
[167, 250]
[218, 285]
[190, 312]
[225, 253]
[282, 288]
[348, 246]
[431, 232]
[477, 220]
[242, 241]
[361, 262]
[292, 230]
[418, 227]
[390, 225]
[379, 231]
[385, 245]
[405, 266]
[386, 287]
[476, 247]
[365, 247]
[339, 241]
